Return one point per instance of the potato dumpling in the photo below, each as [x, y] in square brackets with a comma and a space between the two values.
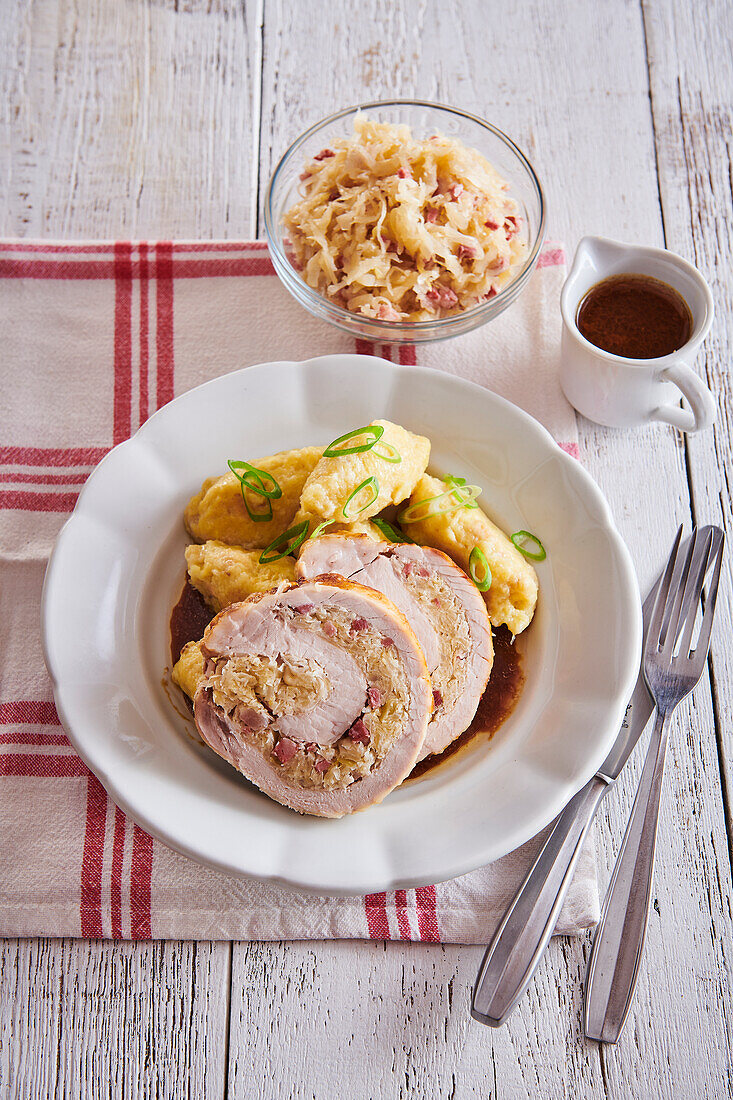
[512, 597]
[331, 486]
[226, 574]
[218, 511]
[189, 668]
[359, 527]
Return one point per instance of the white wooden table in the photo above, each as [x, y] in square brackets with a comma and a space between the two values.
[163, 118]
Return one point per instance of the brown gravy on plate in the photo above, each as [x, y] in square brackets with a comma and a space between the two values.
[191, 615]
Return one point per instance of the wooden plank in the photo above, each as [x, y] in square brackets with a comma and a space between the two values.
[588, 128]
[129, 119]
[94, 1019]
[692, 92]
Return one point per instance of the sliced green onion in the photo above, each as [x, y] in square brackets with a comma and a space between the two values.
[320, 527]
[526, 536]
[477, 563]
[441, 504]
[456, 483]
[333, 450]
[390, 532]
[259, 477]
[256, 517]
[285, 544]
[370, 483]
[387, 452]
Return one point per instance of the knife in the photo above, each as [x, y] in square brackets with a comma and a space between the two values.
[516, 949]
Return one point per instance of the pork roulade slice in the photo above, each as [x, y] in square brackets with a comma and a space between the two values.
[318, 693]
[442, 605]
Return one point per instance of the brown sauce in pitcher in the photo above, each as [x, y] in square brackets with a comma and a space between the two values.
[635, 316]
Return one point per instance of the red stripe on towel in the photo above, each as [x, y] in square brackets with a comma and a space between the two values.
[427, 917]
[118, 850]
[38, 766]
[24, 501]
[144, 331]
[52, 456]
[122, 419]
[90, 909]
[164, 324]
[141, 873]
[35, 711]
[375, 906]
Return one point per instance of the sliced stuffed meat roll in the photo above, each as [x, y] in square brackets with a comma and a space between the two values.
[444, 608]
[318, 693]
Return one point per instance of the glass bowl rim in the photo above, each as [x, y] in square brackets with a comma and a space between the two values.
[345, 317]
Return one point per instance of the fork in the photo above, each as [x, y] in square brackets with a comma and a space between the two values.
[672, 669]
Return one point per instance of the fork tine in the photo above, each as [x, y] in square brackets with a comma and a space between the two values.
[690, 585]
[693, 592]
[715, 559]
[671, 617]
[655, 622]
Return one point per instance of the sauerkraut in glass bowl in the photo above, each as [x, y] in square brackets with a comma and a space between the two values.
[404, 221]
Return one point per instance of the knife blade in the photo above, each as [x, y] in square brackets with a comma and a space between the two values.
[638, 711]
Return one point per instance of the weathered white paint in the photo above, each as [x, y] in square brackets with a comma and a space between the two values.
[144, 119]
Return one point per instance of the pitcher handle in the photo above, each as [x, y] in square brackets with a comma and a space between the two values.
[701, 412]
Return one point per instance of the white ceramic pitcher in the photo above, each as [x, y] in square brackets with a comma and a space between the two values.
[621, 392]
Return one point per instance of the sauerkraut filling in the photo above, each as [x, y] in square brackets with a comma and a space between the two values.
[255, 690]
[402, 229]
[451, 626]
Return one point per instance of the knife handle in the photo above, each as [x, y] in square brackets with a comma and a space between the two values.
[512, 956]
[618, 945]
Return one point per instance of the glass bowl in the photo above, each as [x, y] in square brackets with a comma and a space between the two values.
[424, 119]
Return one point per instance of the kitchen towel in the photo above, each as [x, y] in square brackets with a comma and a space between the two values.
[97, 336]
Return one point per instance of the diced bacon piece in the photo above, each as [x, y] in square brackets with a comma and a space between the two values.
[491, 293]
[357, 625]
[305, 174]
[285, 750]
[359, 733]
[466, 252]
[511, 226]
[386, 642]
[328, 628]
[323, 765]
[324, 154]
[423, 572]
[436, 602]
[491, 225]
[499, 264]
[455, 191]
[311, 746]
[442, 297]
[304, 608]
[404, 174]
[374, 696]
[387, 312]
[431, 215]
[438, 698]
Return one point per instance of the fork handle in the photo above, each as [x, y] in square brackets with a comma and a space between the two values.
[617, 949]
[512, 956]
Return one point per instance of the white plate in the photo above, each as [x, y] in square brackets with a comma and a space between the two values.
[118, 568]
